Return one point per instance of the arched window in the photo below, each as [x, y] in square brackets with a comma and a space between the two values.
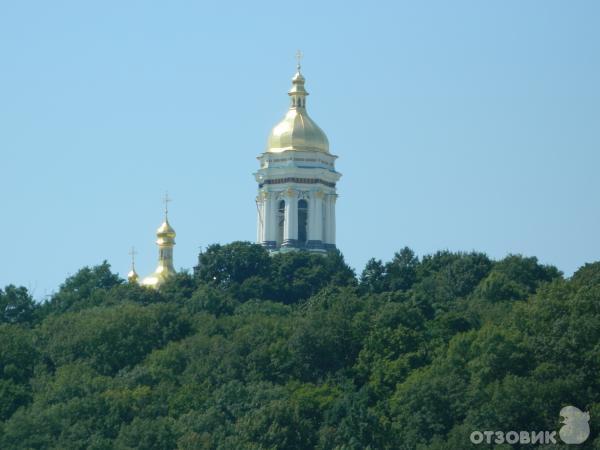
[302, 221]
[280, 221]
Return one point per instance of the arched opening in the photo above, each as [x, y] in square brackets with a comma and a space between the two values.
[302, 221]
[280, 221]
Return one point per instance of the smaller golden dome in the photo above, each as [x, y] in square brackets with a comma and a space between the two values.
[165, 235]
[166, 230]
[132, 276]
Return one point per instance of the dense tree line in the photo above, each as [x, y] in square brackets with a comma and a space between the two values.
[294, 351]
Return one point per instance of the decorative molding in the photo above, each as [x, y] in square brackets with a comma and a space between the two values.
[315, 245]
[269, 245]
[296, 180]
[290, 243]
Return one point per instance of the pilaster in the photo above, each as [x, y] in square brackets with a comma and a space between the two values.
[315, 241]
[290, 231]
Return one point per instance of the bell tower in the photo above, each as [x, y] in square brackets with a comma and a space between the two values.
[297, 181]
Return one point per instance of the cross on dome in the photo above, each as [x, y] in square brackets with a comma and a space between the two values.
[166, 201]
[299, 56]
[132, 253]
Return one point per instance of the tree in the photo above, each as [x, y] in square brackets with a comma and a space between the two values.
[372, 278]
[329, 335]
[497, 287]
[297, 276]
[112, 338]
[210, 299]
[16, 305]
[18, 356]
[447, 277]
[88, 287]
[401, 271]
[151, 434]
[224, 265]
[526, 271]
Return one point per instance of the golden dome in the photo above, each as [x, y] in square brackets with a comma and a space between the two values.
[165, 234]
[165, 230]
[297, 131]
[132, 276]
[152, 281]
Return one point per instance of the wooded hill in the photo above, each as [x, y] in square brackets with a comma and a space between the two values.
[293, 351]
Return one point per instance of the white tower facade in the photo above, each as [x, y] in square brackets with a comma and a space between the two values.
[297, 182]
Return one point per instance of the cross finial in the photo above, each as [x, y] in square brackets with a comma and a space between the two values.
[166, 201]
[299, 56]
[132, 252]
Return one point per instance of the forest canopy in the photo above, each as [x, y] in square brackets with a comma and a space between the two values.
[295, 351]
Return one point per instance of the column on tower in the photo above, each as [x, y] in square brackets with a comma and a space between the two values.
[332, 219]
[326, 220]
[260, 225]
[315, 240]
[290, 231]
[311, 220]
[329, 210]
[269, 235]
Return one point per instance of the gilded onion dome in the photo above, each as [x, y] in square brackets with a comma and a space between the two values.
[165, 233]
[297, 131]
[132, 276]
[165, 239]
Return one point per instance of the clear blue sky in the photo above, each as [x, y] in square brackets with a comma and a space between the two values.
[459, 125]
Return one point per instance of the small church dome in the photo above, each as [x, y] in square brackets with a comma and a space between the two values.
[165, 230]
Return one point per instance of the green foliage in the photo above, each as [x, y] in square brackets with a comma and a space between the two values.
[147, 433]
[17, 358]
[514, 278]
[397, 275]
[290, 351]
[372, 278]
[297, 276]
[401, 271]
[88, 287]
[16, 305]
[225, 265]
[112, 338]
[246, 271]
[328, 335]
[210, 299]
[179, 288]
